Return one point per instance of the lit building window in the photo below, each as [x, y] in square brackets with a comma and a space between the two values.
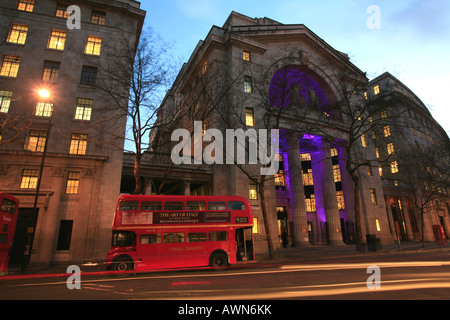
[98, 17]
[246, 55]
[390, 148]
[61, 11]
[365, 95]
[369, 169]
[29, 179]
[5, 101]
[310, 203]
[378, 224]
[84, 109]
[248, 84]
[373, 196]
[10, 66]
[204, 68]
[57, 40]
[377, 153]
[252, 191]
[36, 141]
[387, 131]
[18, 34]
[249, 117]
[25, 5]
[364, 140]
[340, 200]
[383, 114]
[394, 167]
[78, 144]
[93, 46]
[73, 182]
[308, 178]
[336, 173]
[376, 89]
[43, 109]
[305, 157]
[255, 225]
[380, 170]
[333, 152]
[279, 179]
[51, 71]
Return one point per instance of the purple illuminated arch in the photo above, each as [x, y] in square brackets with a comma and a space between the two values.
[291, 86]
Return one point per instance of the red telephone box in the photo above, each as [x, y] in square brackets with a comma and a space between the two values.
[439, 234]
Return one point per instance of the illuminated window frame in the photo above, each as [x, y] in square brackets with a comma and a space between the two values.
[5, 101]
[248, 86]
[78, 144]
[57, 40]
[29, 179]
[373, 196]
[61, 11]
[249, 117]
[394, 167]
[43, 109]
[98, 17]
[73, 182]
[36, 141]
[10, 66]
[18, 33]
[84, 109]
[252, 191]
[93, 46]
[246, 56]
[25, 5]
[387, 131]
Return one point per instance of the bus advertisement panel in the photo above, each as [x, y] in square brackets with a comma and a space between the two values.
[157, 232]
[9, 208]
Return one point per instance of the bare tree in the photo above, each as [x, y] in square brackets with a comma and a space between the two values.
[144, 78]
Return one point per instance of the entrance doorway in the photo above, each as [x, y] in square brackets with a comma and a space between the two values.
[26, 223]
[283, 226]
[244, 242]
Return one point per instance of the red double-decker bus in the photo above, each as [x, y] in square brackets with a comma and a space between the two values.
[9, 208]
[157, 232]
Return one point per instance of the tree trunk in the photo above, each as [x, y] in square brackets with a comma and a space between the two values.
[137, 174]
[266, 220]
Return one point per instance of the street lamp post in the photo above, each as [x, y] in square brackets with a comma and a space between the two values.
[45, 94]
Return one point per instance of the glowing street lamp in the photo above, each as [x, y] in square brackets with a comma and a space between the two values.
[43, 93]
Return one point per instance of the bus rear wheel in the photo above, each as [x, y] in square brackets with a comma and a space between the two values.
[123, 264]
[218, 261]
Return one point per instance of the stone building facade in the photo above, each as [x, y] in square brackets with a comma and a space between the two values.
[260, 74]
[413, 153]
[70, 141]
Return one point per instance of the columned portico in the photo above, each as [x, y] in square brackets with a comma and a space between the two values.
[326, 200]
[298, 208]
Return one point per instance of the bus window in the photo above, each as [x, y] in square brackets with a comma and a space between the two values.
[174, 206]
[217, 206]
[175, 237]
[195, 205]
[128, 206]
[218, 236]
[236, 205]
[196, 237]
[150, 239]
[8, 206]
[151, 206]
[124, 238]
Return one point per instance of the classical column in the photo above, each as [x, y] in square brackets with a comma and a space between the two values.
[324, 173]
[298, 208]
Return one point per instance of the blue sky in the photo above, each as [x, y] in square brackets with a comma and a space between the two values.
[413, 42]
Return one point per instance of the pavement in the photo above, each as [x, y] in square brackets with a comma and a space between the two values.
[289, 255]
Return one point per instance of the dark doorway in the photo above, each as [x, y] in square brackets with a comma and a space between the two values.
[26, 223]
[244, 243]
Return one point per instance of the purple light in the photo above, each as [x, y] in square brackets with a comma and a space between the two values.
[290, 86]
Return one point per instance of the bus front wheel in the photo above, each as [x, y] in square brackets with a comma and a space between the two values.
[218, 261]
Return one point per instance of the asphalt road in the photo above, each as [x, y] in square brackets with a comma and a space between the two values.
[405, 277]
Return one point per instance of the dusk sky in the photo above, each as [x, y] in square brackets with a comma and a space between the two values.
[412, 43]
